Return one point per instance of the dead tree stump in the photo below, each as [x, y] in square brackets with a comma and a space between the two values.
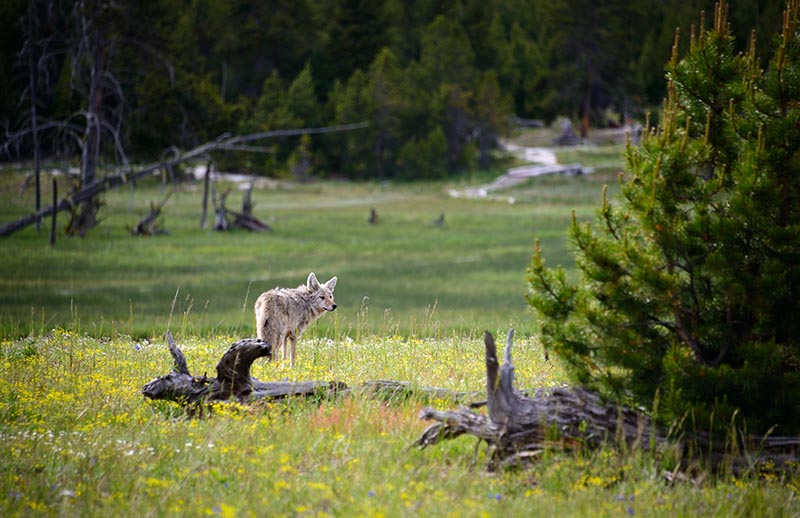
[519, 428]
[233, 381]
[227, 219]
[149, 225]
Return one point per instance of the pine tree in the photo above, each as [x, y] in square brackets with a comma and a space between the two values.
[689, 286]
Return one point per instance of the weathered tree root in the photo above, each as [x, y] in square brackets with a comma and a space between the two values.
[233, 381]
[518, 428]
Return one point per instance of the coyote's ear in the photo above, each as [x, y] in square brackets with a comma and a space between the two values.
[312, 283]
[331, 283]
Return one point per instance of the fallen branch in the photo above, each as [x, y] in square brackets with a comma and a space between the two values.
[519, 428]
[233, 381]
[389, 390]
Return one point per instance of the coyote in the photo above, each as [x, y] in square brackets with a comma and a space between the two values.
[282, 314]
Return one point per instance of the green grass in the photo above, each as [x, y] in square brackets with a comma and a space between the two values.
[605, 157]
[82, 332]
[79, 440]
[401, 275]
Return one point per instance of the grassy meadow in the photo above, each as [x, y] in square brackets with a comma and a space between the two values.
[82, 328]
[403, 274]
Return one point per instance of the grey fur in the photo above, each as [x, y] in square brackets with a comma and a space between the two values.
[282, 314]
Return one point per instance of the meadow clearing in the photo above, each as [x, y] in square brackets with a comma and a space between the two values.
[83, 327]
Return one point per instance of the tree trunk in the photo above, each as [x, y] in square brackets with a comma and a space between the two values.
[33, 77]
[84, 216]
[53, 223]
[486, 138]
[233, 381]
[206, 182]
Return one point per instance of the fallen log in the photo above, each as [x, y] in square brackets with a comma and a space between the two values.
[395, 391]
[233, 381]
[518, 428]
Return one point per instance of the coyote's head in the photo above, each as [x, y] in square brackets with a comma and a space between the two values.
[321, 294]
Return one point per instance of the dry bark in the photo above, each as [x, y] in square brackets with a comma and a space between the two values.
[148, 225]
[518, 428]
[227, 219]
[233, 380]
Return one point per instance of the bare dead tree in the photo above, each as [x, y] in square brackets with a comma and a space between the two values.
[53, 222]
[33, 77]
[222, 143]
[246, 219]
[206, 186]
[37, 56]
[104, 107]
[226, 219]
[220, 212]
[83, 38]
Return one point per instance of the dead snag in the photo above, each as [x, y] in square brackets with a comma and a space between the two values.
[227, 219]
[246, 219]
[577, 414]
[225, 142]
[233, 379]
[149, 224]
[220, 212]
[518, 428]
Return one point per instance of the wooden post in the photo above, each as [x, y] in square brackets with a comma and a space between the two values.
[55, 211]
[205, 195]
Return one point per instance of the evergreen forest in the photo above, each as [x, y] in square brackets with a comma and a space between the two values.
[439, 82]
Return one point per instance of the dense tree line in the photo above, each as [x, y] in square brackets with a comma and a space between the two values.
[437, 80]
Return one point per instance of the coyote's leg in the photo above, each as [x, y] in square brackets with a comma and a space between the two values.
[291, 340]
[280, 346]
